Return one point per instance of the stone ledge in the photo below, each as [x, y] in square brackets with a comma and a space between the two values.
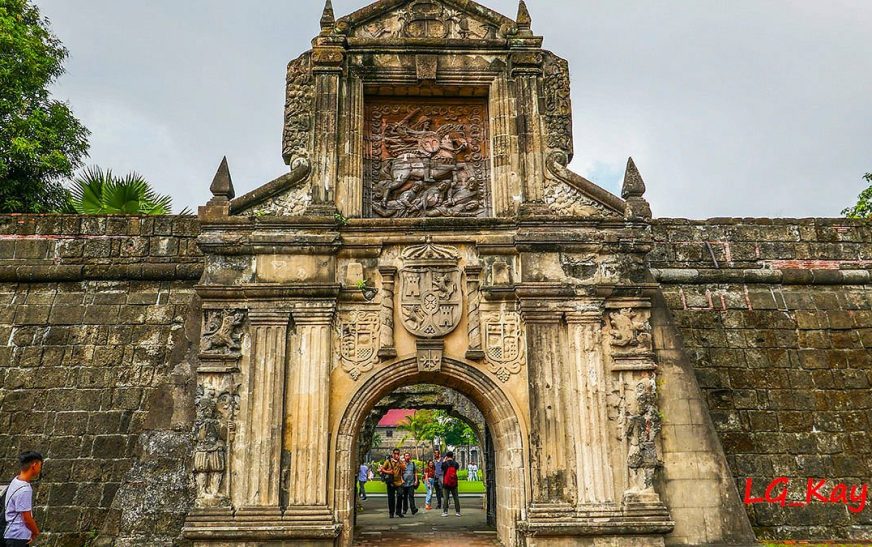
[762, 276]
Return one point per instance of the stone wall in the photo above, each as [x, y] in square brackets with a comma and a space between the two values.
[96, 324]
[776, 319]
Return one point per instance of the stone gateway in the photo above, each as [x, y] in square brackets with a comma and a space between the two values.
[206, 381]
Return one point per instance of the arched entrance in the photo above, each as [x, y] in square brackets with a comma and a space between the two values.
[503, 421]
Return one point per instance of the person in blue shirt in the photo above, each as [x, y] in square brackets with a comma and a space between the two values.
[21, 529]
[362, 478]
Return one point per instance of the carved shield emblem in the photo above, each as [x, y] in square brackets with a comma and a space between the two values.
[503, 343]
[431, 300]
[358, 344]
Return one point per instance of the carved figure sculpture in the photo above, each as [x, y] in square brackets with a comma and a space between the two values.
[223, 331]
[642, 427]
[426, 160]
[211, 434]
[630, 329]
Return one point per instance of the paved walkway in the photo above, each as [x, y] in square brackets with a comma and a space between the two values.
[427, 528]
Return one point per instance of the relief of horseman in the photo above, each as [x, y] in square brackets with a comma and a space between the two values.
[421, 154]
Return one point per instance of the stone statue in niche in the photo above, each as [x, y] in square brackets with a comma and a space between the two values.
[212, 434]
[643, 424]
[426, 160]
[630, 329]
[222, 332]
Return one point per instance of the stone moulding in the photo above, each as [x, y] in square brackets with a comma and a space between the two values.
[787, 276]
[272, 190]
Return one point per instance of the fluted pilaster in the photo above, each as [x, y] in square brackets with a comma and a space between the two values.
[549, 458]
[307, 404]
[590, 420]
[262, 412]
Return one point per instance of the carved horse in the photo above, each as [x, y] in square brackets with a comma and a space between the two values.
[441, 166]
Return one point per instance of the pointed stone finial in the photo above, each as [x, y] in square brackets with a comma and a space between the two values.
[328, 19]
[634, 186]
[633, 192]
[222, 185]
[524, 20]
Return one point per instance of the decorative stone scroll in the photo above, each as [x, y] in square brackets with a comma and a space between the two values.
[222, 332]
[431, 298]
[298, 111]
[358, 341]
[426, 158]
[213, 435]
[503, 343]
[558, 105]
[473, 313]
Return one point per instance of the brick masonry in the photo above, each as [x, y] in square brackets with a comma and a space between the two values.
[776, 317]
[98, 318]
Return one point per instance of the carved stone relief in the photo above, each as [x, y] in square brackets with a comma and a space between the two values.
[213, 434]
[431, 296]
[426, 158]
[643, 425]
[427, 19]
[630, 330]
[358, 341]
[299, 105]
[558, 106]
[222, 332]
[503, 343]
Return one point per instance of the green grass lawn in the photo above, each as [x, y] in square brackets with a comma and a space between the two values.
[464, 487]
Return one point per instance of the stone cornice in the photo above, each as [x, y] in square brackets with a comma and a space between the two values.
[268, 291]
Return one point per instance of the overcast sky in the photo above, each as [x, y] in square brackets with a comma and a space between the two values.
[730, 108]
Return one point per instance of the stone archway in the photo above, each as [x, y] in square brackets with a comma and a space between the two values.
[500, 415]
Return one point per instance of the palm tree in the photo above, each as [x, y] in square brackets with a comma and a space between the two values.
[419, 426]
[99, 192]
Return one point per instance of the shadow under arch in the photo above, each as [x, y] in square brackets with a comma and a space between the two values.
[499, 413]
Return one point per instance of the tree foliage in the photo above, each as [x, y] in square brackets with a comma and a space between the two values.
[41, 142]
[429, 425]
[863, 208]
[98, 192]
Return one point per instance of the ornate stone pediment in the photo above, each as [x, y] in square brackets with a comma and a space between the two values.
[427, 19]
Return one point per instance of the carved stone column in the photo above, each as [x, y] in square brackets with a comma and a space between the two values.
[262, 412]
[550, 462]
[594, 471]
[473, 313]
[307, 402]
[327, 58]
[386, 348]
[527, 73]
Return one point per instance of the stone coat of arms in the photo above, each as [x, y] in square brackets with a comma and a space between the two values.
[431, 299]
[358, 342]
[503, 343]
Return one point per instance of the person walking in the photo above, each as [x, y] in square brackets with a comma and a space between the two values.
[450, 483]
[362, 479]
[21, 529]
[437, 477]
[392, 472]
[429, 478]
[410, 484]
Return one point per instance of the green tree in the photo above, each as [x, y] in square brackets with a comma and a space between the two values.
[423, 425]
[863, 208]
[98, 192]
[41, 142]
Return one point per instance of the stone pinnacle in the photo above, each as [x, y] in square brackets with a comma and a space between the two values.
[634, 186]
[222, 184]
[328, 19]
[524, 20]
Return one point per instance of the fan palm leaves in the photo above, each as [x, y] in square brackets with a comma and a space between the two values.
[99, 192]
